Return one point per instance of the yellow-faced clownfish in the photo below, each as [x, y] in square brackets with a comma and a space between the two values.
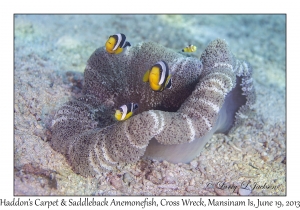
[158, 76]
[190, 48]
[116, 43]
[125, 111]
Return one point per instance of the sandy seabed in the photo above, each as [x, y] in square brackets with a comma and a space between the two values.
[49, 59]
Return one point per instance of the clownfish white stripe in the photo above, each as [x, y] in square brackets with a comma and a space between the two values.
[116, 43]
[164, 71]
[119, 41]
[124, 111]
[124, 43]
[158, 76]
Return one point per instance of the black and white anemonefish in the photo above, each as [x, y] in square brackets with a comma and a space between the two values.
[190, 48]
[158, 76]
[125, 111]
[116, 43]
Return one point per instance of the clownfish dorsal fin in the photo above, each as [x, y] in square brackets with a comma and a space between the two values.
[119, 39]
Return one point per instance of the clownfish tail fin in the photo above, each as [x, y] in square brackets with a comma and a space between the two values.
[135, 106]
[169, 83]
[127, 44]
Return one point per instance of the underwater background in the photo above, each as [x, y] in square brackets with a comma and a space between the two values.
[50, 54]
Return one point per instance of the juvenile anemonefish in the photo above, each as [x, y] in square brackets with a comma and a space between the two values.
[116, 43]
[158, 76]
[190, 48]
[125, 111]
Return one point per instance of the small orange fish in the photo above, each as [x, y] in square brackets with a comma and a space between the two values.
[116, 43]
[125, 111]
[158, 76]
[190, 48]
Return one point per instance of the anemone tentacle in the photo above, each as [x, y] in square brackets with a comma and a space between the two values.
[208, 95]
